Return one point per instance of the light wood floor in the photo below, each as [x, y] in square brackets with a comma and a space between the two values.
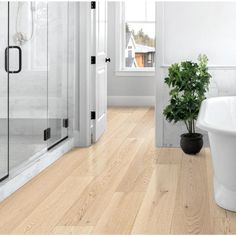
[121, 185]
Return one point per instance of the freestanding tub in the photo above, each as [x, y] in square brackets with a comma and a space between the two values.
[218, 117]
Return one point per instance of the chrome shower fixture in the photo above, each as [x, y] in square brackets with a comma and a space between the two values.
[20, 37]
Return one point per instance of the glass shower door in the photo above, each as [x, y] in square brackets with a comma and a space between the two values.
[4, 157]
[27, 81]
[33, 80]
[57, 71]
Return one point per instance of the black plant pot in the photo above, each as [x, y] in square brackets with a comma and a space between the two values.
[191, 143]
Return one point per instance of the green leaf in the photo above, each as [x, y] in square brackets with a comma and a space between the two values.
[188, 82]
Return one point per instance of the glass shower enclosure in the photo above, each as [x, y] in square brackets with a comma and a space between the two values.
[33, 81]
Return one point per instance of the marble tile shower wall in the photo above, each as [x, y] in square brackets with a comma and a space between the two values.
[223, 83]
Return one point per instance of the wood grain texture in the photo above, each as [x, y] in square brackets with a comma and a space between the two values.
[93, 201]
[60, 200]
[192, 209]
[120, 214]
[120, 185]
[156, 212]
[72, 230]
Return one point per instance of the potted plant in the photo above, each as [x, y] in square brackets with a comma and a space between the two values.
[188, 82]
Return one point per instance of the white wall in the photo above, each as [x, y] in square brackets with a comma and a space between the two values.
[185, 29]
[123, 90]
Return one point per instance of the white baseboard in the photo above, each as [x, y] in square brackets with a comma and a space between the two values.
[137, 101]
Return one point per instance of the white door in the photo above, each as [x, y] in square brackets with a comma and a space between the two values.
[99, 69]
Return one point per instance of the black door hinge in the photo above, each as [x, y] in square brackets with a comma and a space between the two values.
[93, 115]
[93, 5]
[46, 134]
[65, 123]
[93, 60]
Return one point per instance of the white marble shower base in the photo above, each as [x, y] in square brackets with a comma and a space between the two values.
[22, 149]
[22, 174]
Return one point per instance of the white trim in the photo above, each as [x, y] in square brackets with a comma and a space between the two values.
[137, 101]
[135, 73]
[159, 75]
[141, 21]
[210, 67]
[76, 66]
[120, 37]
[83, 136]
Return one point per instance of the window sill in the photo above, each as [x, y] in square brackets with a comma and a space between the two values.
[138, 73]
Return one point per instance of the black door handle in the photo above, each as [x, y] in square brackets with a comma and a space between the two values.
[107, 59]
[7, 60]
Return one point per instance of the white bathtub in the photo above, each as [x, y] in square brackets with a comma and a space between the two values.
[218, 117]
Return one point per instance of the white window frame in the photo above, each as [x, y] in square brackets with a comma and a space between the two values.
[121, 70]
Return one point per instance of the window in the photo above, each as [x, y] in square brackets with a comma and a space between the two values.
[139, 44]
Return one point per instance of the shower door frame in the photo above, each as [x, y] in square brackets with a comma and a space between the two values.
[7, 71]
[65, 120]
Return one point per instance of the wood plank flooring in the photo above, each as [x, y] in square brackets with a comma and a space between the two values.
[120, 185]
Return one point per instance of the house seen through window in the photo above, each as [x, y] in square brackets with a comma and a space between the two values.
[140, 34]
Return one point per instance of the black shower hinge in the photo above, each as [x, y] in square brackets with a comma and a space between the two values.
[65, 123]
[46, 134]
[93, 60]
[93, 115]
[93, 5]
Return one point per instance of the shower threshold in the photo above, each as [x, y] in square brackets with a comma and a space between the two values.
[23, 173]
